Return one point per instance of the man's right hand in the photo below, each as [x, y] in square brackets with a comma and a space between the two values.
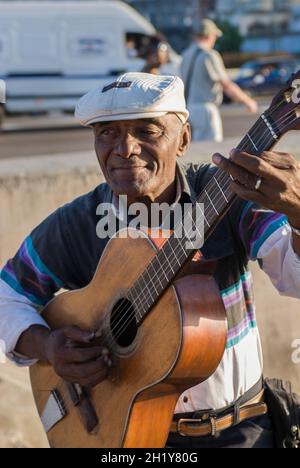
[75, 355]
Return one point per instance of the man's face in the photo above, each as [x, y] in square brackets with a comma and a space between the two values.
[138, 157]
[213, 40]
[210, 40]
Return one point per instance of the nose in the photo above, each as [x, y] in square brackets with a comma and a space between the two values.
[127, 146]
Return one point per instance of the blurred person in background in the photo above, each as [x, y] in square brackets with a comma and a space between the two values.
[156, 55]
[131, 48]
[205, 77]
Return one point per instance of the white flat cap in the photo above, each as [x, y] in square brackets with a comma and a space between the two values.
[133, 96]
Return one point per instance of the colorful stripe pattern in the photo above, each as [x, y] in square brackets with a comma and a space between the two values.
[38, 283]
[256, 226]
[237, 298]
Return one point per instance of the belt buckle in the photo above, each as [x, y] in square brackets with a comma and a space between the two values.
[206, 418]
[184, 421]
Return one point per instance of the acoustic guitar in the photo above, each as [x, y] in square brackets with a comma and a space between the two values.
[166, 332]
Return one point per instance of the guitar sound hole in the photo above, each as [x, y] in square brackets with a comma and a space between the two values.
[123, 323]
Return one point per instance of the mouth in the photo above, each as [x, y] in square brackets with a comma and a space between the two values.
[130, 168]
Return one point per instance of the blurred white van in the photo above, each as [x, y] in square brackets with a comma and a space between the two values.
[51, 52]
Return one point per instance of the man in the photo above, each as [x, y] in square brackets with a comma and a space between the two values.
[141, 128]
[205, 78]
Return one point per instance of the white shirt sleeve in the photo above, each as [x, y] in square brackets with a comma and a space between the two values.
[281, 263]
[17, 314]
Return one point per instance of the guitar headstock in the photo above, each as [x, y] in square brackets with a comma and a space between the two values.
[285, 108]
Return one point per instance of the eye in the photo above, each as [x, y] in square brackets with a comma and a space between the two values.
[106, 132]
[150, 132]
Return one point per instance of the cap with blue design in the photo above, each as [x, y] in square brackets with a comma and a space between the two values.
[133, 96]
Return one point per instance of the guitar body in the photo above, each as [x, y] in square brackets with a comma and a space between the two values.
[179, 345]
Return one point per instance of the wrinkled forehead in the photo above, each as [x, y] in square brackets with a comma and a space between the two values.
[165, 121]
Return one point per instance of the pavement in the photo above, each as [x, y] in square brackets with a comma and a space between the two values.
[20, 426]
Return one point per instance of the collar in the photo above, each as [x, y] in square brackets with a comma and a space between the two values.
[188, 192]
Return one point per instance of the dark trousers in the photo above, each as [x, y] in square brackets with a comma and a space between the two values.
[253, 433]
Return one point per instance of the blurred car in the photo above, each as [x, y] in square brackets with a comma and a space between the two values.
[266, 77]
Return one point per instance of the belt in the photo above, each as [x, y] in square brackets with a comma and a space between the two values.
[209, 424]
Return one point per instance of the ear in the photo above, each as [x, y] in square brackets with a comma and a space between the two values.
[185, 140]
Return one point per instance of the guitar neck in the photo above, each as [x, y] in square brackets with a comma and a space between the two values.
[216, 198]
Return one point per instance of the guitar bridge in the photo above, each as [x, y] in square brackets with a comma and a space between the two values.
[54, 411]
[81, 399]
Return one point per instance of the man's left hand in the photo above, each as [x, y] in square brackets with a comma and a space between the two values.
[271, 180]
